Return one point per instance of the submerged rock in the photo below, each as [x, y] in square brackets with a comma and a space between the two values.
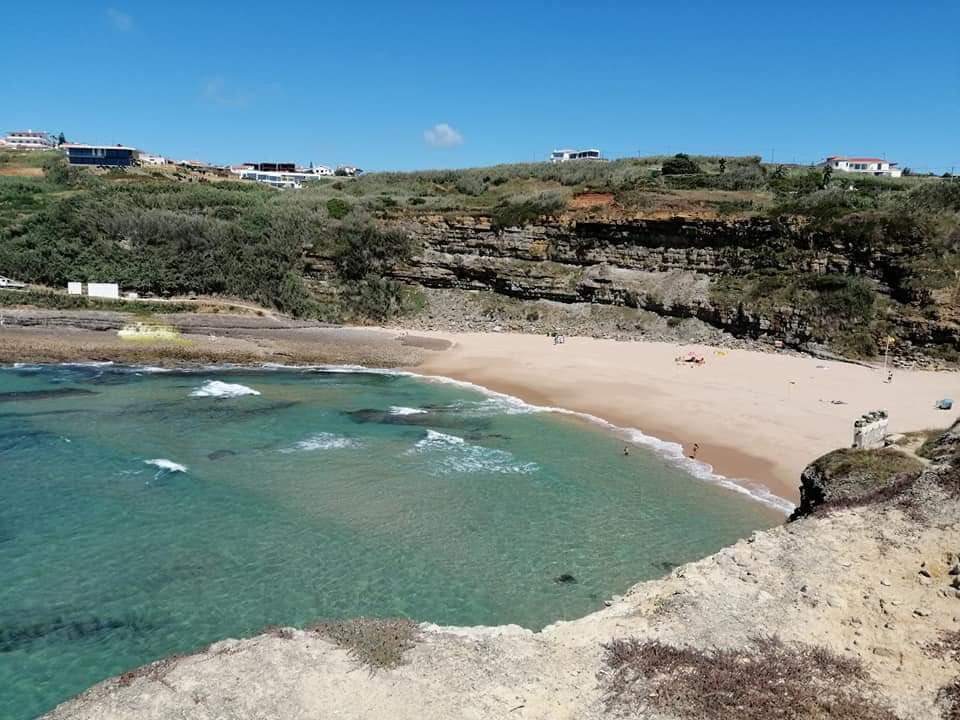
[15, 395]
[217, 454]
[566, 578]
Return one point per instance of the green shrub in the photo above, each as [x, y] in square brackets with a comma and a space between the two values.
[337, 208]
[680, 164]
[519, 211]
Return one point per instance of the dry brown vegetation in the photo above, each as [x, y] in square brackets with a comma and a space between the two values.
[378, 644]
[949, 699]
[769, 680]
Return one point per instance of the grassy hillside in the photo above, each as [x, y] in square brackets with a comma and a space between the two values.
[173, 233]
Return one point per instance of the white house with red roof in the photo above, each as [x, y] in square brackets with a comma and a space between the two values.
[864, 166]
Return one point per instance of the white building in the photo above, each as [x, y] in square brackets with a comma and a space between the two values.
[287, 179]
[28, 140]
[559, 156]
[864, 166]
[148, 159]
[110, 291]
[347, 171]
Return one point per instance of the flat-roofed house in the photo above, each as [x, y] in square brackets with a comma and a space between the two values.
[28, 140]
[864, 165]
[107, 155]
[559, 156]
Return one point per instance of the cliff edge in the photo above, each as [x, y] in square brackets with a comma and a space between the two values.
[851, 611]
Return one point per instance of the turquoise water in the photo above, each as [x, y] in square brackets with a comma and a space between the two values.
[324, 496]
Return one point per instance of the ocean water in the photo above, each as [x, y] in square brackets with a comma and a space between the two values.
[144, 513]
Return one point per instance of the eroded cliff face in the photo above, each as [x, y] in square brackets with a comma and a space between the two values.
[670, 266]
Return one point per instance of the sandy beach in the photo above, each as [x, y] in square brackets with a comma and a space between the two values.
[757, 417]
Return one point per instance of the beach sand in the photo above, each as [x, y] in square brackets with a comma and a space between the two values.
[759, 418]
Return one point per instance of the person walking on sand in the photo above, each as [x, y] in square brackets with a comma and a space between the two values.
[693, 452]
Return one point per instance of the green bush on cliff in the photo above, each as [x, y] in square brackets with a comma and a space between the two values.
[517, 212]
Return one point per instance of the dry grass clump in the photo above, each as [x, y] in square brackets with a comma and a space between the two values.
[949, 699]
[277, 631]
[378, 644]
[946, 646]
[769, 680]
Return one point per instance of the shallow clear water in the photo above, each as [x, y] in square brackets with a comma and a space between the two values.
[324, 496]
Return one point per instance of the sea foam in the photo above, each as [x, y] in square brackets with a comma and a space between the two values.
[165, 464]
[218, 389]
[400, 410]
[456, 455]
[321, 441]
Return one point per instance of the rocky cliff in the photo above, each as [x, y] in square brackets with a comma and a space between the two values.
[676, 267]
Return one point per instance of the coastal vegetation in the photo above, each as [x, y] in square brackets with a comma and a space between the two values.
[768, 679]
[377, 644]
[852, 259]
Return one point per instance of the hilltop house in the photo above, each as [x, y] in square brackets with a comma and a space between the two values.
[149, 159]
[559, 156]
[111, 155]
[28, 140]
[279, 175]
[864, 166]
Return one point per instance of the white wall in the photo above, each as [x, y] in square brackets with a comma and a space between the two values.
[103, 290]
[75, 288]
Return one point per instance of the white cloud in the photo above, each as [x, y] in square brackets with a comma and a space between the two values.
[120, 21]
[442, 135]
[217, 92]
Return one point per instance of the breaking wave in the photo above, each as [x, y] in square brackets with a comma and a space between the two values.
[168, 465]
[400, 410]
[321, 441]
[218, 389]
[456, 455]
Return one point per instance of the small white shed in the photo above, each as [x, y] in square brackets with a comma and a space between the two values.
[104, 290]
[74, 288]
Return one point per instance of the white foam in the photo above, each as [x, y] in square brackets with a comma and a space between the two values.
[456, 455]
[321, 441]
[218, 389]
[436, 439]
[400, 410]
[165, 464]
[671, 451]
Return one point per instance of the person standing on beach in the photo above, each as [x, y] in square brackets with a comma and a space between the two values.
[693, 452]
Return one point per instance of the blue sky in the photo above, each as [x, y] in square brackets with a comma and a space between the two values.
[368, 83]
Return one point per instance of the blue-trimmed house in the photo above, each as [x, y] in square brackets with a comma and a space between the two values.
[110, 155]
